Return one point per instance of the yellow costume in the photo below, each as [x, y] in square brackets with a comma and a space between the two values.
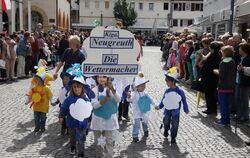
[40, 96]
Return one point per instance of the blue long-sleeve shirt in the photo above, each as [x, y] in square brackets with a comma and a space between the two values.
[22, 47]
[183, 101]
[64, 111]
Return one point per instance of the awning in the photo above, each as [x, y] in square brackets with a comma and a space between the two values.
[140, 27]
[85, 26]
[6, 5]
[184, 29]
[243, 9]
[202, 21]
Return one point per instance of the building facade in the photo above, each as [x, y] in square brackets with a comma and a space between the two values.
[153, 15]
[26, 14]
[216, 17]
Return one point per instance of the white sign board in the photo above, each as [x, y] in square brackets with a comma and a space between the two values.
[111, 51]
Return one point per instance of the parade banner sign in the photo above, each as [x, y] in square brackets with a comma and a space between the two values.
[111, 51]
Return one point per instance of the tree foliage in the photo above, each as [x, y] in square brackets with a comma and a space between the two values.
[123, 11]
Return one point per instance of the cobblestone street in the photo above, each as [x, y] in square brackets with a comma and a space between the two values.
[198, 136]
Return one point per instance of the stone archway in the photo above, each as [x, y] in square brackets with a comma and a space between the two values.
[45, 19]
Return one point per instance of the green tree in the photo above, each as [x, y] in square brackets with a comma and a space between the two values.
[123, 11]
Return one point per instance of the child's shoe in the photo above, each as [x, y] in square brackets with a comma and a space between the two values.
[218, 122]
[248, 143]
[72, 150]
[81, 155]
[146, 133]
[36, 130]
[119, 118]
[173, 141]
[42, 129]
[127, 118]
[135, 139]
[165, 134]
[63, 131]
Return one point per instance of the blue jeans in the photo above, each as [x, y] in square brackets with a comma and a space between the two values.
[242, 102]
[40, 120]
[224, 102]
[77, 138]
[137, 126]
[173, 119]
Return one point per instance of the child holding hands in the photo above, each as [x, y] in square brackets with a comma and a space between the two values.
[104, 121]
[141, 102]
[171, 101]
[77, 110]
[39, 98]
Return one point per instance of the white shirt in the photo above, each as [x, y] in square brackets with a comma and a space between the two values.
[135, 96]
[247, 71]
[62, 94]
[98, 123]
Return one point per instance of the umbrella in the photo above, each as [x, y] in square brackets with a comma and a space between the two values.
[186, 29]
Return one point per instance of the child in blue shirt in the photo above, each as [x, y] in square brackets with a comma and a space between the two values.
[171, 101]
[77, 108]
[62, 96]
[67, 78]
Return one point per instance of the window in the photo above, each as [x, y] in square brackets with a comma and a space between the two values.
[196, 7]
[175, 22]
[86, 3]
[190, 22]
[175, 6]
[192, 6]
[140, 6]
[151, 6]
[183, 6]
[132, 5]
[179, 6]
[106, 3]
[97, 4]
[165, 6]
[181, 22]
[188, 5]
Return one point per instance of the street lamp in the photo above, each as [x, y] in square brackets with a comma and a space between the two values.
[170, 16]
[231, 18]
[101, 19]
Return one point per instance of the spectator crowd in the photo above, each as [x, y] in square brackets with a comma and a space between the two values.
[218, 68]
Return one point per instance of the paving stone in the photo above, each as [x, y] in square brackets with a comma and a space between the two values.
[198, 136]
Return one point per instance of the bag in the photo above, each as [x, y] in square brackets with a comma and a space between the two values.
[2, 63]
[197, 86]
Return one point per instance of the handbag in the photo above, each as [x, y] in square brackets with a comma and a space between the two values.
[197, 85]
[2, 63]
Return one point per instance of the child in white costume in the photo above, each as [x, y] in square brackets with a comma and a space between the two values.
[141, 105]
[104, 121]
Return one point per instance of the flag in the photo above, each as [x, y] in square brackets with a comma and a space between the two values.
[6, 5]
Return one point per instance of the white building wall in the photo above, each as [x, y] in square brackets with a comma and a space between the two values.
[146, 18]
[218, 13]
[214, 6]
[64, 6]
